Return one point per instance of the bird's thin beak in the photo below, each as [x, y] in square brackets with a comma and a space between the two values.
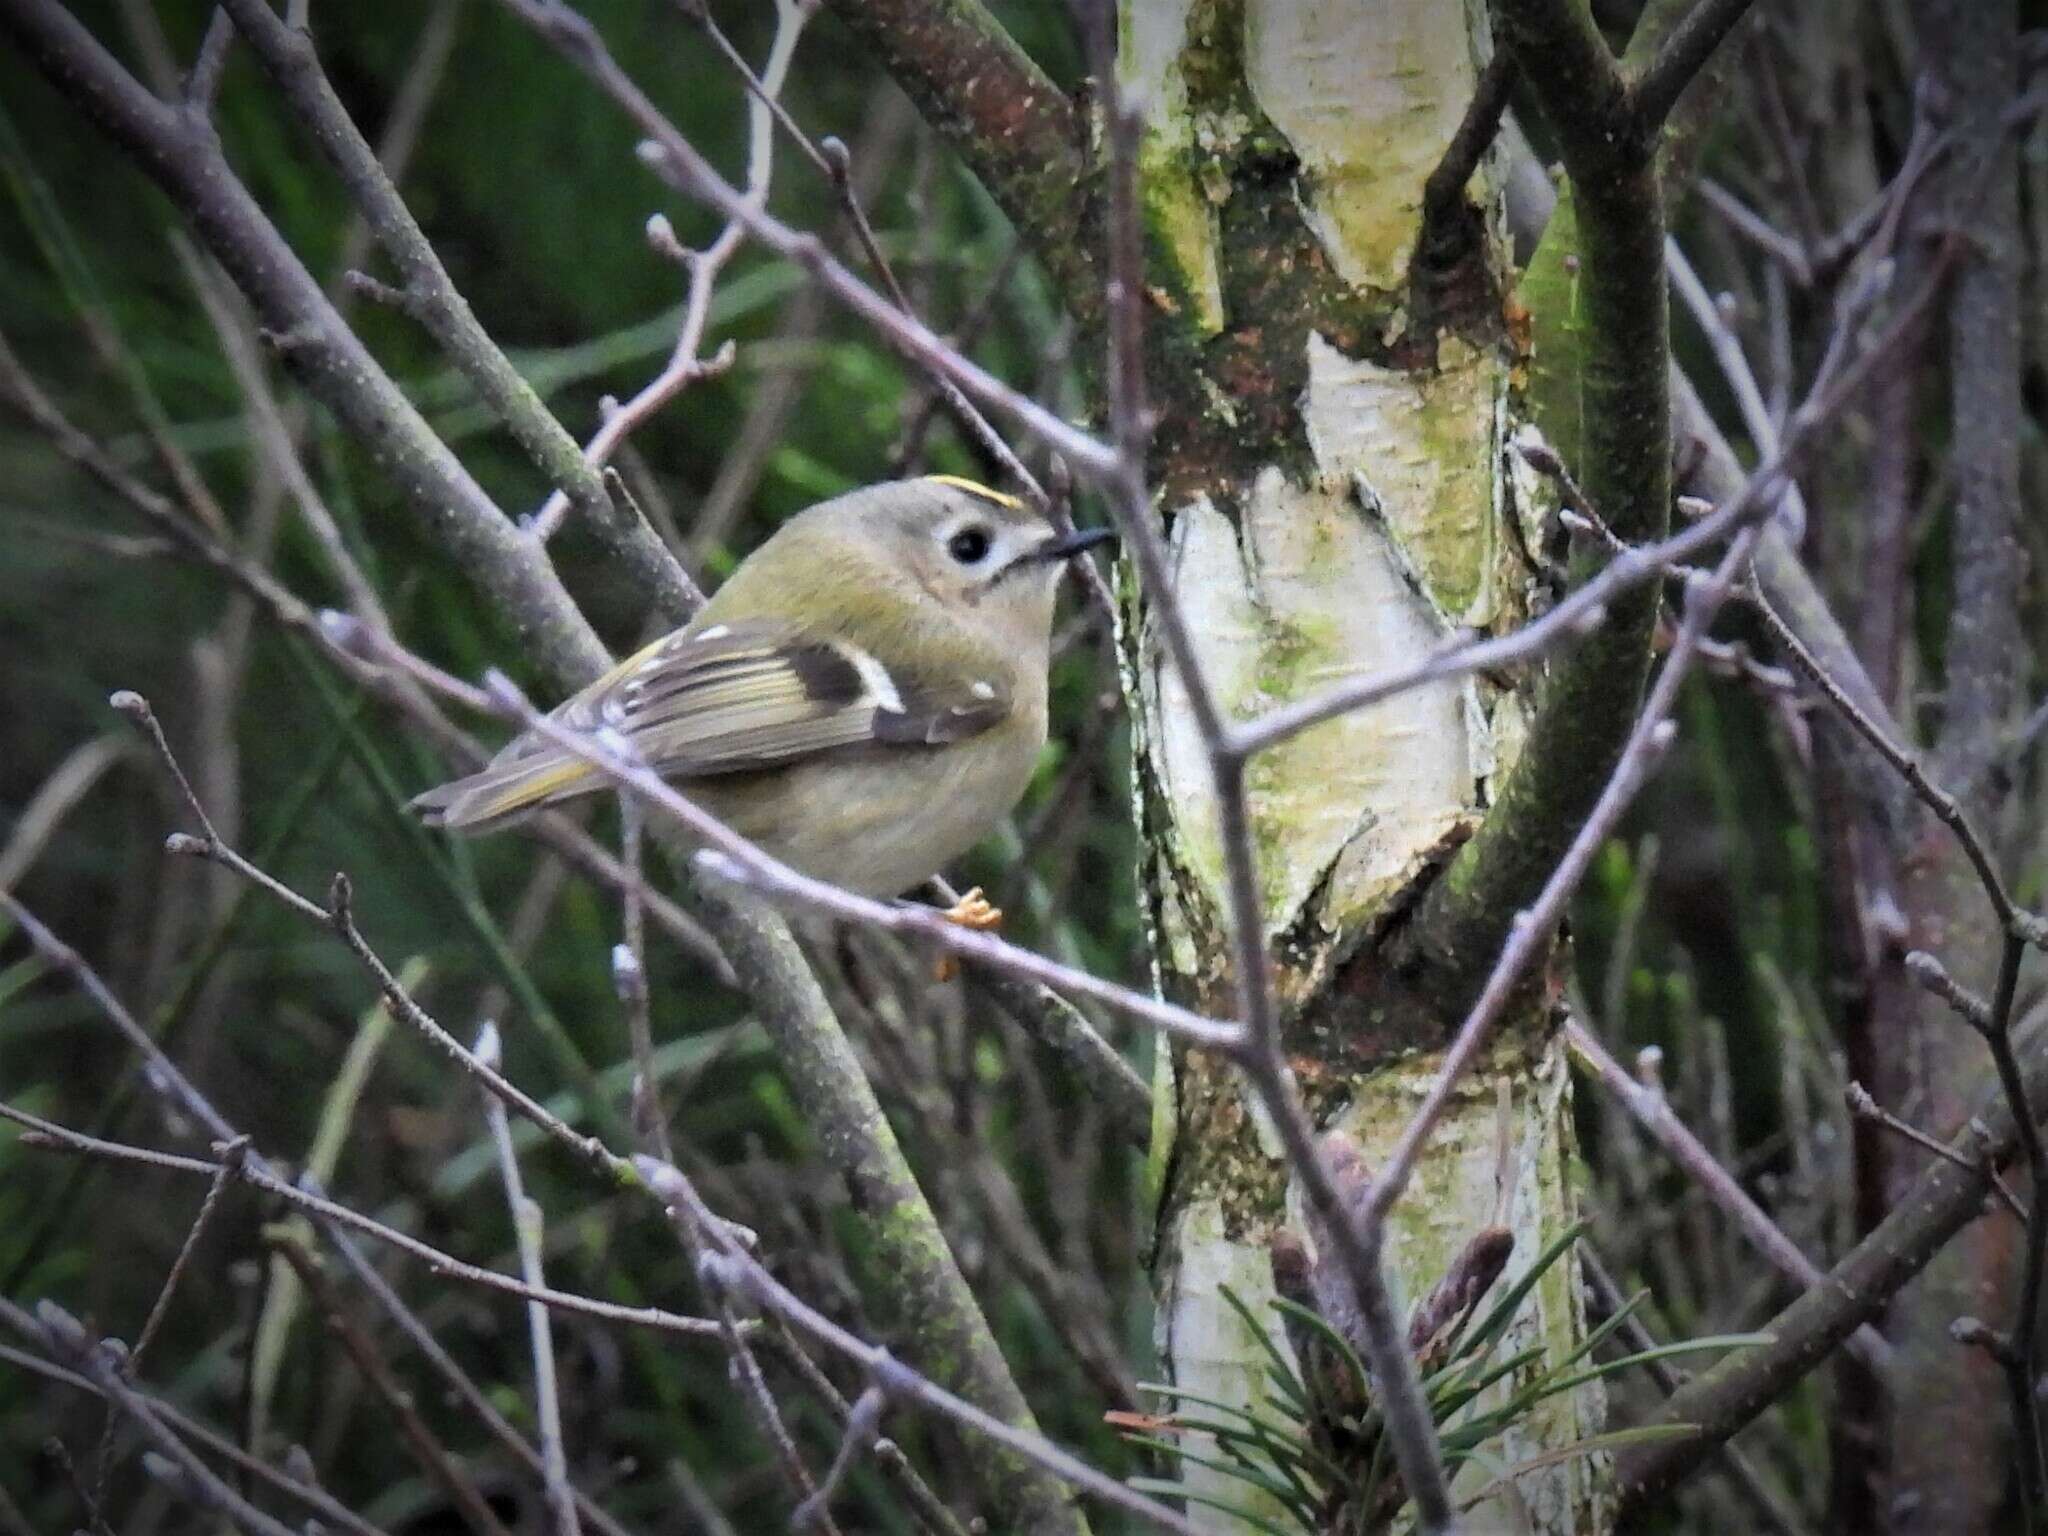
[1069, 545]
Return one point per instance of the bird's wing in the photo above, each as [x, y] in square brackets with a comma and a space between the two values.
[749, 695]
[725, 699]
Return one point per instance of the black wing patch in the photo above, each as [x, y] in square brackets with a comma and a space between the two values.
[726, 699]
[932, 724]
[742, 696]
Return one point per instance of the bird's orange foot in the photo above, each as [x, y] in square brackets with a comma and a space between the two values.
[975, 913]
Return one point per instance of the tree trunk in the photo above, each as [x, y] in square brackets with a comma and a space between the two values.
[1952, 1452]
[1331, 471]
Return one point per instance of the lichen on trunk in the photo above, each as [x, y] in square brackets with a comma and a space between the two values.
[1331, 473]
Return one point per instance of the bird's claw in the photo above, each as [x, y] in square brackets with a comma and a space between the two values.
[974, 912]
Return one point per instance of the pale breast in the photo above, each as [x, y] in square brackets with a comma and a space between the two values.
[882, 822]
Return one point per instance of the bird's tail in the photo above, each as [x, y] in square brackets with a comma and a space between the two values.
[504, 791]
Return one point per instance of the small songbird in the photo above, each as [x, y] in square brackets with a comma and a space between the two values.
[864, 697]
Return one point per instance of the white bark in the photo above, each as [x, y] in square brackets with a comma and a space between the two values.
[1394, 535]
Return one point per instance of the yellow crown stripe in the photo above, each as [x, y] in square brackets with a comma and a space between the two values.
[975, 488]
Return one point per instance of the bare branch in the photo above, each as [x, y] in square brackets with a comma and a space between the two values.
[1681, 55]
[214, 1443]
[284, 608]
[288, 56]
[1864, 1107]
[434, 1458]
[1443, 193]
[686, 364]
[744, 1271]
[526, 1230]
[672, 157]
[1532, 928]
[230, 1161]
[1933, 975]
[1062, 1029]
[258, 1174]
[170, 1083]
[62, 1335]
[460, 1385]
[1654, 1114]
[1943, 1200]
[2011, 917]
[730, 857]
[1606, 1296]
[1015, 129]
[184, 157]
[202, 85]
[858, 1436]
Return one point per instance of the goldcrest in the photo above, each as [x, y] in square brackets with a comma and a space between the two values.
[864, 697]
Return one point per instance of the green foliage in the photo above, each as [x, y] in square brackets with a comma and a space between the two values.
[1317, 1445]
[528, 186]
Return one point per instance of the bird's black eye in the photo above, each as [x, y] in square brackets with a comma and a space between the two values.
[969, 546]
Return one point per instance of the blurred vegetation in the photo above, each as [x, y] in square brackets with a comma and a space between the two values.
[1700, 934]
[533, 197]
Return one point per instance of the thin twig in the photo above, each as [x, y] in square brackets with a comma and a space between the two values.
[2028, 926]
[686, 365]
[260, 1175]
[341, 644]
[743, 1269]
[230, 1159]
[1654, 1113]
[182, 154]
[1934, 976]
[63, 1336]
[1533, 927]
[526, 1229]
[730, 857]
[461, 1385]
[629, 981]
[127, 702]
[2025, 1337]
[202, 85]
[936, 1517]
[908, 449]
[435, 1459]
[288, 55]
[1606, 1296]
[1946, 1197]
[1758, 231]
[1757, 417]
[316, 1500]
[743, 1366]
[338, 918]
[858, 1436]
[1864, 1107]
[839, 163]
[679, 163]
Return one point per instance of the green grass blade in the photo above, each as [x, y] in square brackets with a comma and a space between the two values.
[1188, 1495]
[1320, 1324]
[1286, 1493]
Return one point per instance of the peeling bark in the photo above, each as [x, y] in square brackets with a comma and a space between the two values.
[1331, 470]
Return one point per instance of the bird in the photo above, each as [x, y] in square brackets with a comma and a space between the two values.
[864, 697]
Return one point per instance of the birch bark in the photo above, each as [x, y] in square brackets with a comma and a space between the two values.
[1331, 472]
